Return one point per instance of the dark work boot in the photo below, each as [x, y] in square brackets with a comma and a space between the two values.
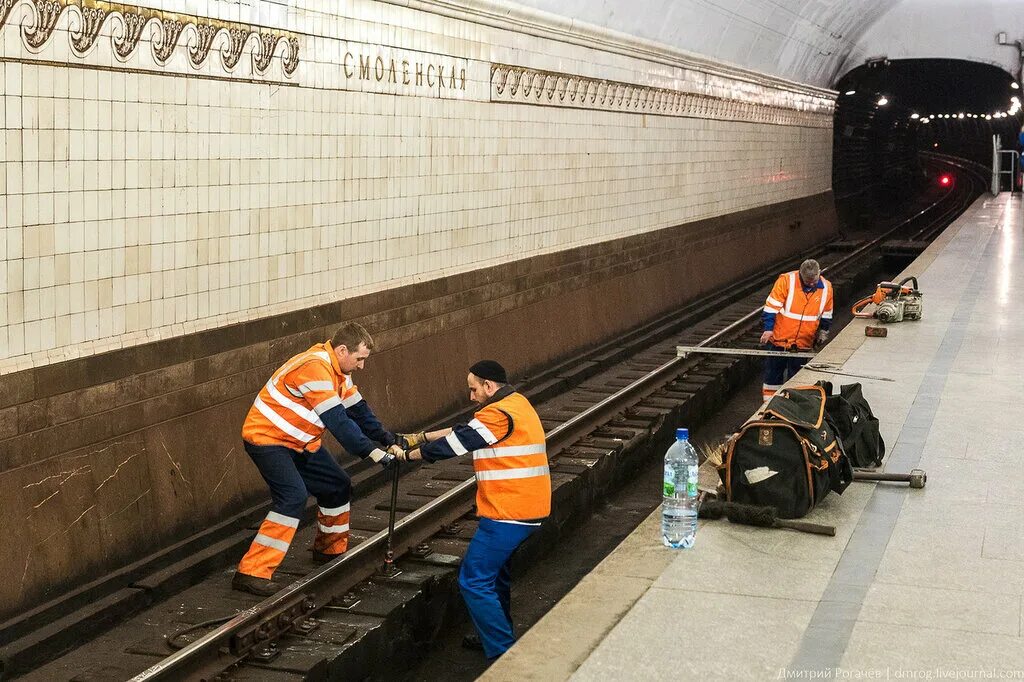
[473, 642]
[262, 587]
[321, 558]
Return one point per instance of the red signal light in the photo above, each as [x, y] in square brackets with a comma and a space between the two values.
[945, 181]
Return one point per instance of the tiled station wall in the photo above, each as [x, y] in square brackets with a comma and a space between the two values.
[194, 191]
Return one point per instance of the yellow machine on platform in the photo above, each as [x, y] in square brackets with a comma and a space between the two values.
[894, 302]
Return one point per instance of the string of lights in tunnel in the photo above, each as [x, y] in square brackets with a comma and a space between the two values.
[1014, 109]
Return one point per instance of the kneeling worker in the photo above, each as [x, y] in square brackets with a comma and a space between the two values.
[513, 495]
[797, 316]
[308, 394]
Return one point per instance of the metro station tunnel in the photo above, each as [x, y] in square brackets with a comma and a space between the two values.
[459, 339]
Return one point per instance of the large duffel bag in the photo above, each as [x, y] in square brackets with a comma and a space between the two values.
[853, 422]
[788, 457]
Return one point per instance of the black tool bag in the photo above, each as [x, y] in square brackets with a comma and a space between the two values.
[850, 417]
[788, 457]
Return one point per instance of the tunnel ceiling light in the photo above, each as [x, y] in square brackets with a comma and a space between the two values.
[915, 116]
[1014, 85]
[882, 101]
[854, 92]
[959, 115]
[988, 117]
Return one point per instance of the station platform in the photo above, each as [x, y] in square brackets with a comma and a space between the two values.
[916, 584]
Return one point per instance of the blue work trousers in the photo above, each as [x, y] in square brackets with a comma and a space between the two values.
[294, 476]
[485, 581]
[778, 371]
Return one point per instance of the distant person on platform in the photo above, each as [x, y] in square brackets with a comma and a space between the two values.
[797, 317]
[309, 394]
[1020, 158]
[506, 441]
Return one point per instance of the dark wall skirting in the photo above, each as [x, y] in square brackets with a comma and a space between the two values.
[107, 458]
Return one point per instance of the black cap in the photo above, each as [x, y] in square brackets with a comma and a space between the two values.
[489, 369]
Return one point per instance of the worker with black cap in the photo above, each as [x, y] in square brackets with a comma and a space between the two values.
[513, 496]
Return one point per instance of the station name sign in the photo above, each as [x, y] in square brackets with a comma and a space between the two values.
[403, 72]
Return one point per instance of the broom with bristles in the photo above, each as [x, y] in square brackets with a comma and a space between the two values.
[714, 452]
[765, 517]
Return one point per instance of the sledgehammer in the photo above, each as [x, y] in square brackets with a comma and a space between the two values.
[916, 478]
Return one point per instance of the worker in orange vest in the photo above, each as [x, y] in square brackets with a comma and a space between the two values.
[309, 394]
[513, 495]
[797, 316]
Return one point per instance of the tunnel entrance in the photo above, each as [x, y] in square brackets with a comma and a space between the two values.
[889, 112]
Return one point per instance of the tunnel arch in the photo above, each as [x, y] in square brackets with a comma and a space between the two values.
[811, 41]
[943, 30]
[801, 40]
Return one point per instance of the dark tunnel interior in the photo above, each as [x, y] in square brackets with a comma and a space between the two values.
[889, 112]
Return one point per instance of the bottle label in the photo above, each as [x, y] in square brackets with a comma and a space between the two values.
[670, 481]
[691, 480]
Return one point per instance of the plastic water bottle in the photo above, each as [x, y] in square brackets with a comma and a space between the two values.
[679, 502]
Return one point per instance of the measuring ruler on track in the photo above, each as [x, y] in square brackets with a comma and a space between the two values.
[823, 367]
[683, 351]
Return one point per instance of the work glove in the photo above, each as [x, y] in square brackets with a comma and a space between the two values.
[821, 339]
[411, 441]
[385, 459]
[397, 451]
[767, 336]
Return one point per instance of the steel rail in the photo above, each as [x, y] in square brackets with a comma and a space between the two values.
[221, 647]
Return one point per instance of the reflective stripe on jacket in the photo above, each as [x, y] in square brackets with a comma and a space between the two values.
[797, 314]
[513, 480]
[288, 408]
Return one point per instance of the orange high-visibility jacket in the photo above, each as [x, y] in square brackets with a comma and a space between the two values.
[796, 314]
[513, 480]
[288, 408]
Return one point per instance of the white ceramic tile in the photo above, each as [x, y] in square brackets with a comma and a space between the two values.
[165, 204]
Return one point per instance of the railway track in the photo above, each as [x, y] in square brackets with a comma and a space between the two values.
[597, 412]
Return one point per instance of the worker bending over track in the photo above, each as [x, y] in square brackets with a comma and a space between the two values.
[513, 496]
[311, 392]
[797, 316]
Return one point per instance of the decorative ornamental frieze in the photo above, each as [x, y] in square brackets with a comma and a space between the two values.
[47, 13]
[88, 21]
[522, 85]
[83, 37]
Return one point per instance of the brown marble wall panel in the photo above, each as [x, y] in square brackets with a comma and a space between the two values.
[107, 458]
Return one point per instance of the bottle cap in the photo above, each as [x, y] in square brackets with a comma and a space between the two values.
[682, 434]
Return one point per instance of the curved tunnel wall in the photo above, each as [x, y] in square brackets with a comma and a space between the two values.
[948, 30]
[803, 40]
[184, 211]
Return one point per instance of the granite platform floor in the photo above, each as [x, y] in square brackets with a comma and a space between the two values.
[917, 584]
